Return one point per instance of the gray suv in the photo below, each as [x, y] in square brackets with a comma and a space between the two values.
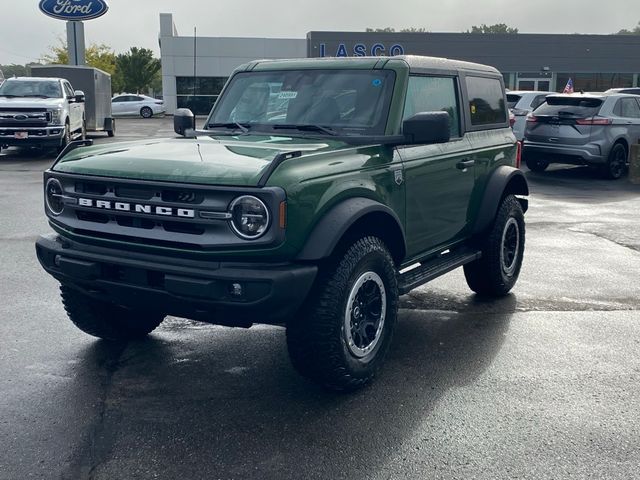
[583, 129]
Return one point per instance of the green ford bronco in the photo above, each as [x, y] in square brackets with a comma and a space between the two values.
[318, 191]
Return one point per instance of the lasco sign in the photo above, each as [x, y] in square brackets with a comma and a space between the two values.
[361, 50]
[74, 10]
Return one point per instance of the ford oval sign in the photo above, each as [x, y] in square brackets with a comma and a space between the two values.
[74, 10]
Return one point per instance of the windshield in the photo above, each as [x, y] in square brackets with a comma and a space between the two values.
[31, 88]
[347, 102]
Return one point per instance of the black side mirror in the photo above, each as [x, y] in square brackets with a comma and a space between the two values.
[79, 96]
[183, 120]
[427, 128]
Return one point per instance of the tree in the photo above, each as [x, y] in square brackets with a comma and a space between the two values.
[97, 55]
[402, 30]
[635, 31]
[385, 30]
[15, 70]
[137, 69]
[496, 28]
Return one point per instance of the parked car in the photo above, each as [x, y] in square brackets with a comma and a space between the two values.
[521, 103]
[130, 104]
[583, 129]
[44, 112]
[630, 90]
[380, 176]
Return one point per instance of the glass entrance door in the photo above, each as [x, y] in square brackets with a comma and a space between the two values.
[537, 84]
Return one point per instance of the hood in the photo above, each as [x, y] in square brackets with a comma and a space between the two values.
[31, 102]
[239, 161]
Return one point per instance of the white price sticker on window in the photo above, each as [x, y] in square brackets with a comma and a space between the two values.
[287, 95]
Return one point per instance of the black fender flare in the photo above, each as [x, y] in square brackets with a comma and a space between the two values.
[504, 180]
[326, 234]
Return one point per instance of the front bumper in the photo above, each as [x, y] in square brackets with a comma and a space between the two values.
[588, 154]
[206, 291]
[36, 136]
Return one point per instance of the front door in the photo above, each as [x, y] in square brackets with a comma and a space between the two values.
[439, 178]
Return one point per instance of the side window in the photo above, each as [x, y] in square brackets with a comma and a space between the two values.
[118, 99]
[68, 90]
[137, 99]
[433, 94]
[486, 101]
[617, 110]
[629, 108]
[539, 100]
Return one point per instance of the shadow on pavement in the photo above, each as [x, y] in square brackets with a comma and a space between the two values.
[583, 184]
[207, 402]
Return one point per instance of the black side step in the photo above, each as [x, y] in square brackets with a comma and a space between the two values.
[431, 269]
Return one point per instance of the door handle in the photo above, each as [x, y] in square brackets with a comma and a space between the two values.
[464, 164]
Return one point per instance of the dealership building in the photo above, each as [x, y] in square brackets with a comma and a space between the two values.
[195, 69]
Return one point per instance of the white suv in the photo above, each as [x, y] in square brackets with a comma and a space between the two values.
[521, 103]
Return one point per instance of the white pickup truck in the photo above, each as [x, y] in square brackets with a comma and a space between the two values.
[44, 112]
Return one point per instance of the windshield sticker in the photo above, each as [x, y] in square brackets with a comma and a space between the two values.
[287, 95]
[377, 82]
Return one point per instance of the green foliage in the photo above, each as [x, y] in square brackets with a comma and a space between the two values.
[15, 70]
[97, 55]
[496, 28]
[134, 71]
[137, 69]
[635, 31]
[402, 30]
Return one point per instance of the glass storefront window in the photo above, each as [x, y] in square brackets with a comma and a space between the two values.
[594, 82]
[198, 94]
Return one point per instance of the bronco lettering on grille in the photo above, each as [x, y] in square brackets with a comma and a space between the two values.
[137, 208]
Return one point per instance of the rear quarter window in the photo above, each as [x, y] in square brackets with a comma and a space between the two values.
[512, 99]
[486, 101]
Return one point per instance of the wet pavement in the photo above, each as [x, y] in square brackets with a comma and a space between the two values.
[542, 384]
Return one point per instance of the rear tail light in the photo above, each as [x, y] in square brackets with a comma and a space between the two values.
[594, 121]
[532, 119]
[518, 154]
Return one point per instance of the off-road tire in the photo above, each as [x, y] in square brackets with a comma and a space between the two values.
[146, 112]
[536, 165]
[616, 163]
[320, 345]
[105, 320]
[496, 272]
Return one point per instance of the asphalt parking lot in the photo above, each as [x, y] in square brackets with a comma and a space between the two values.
[543, 384]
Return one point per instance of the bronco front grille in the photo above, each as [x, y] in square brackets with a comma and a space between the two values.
[154, 213]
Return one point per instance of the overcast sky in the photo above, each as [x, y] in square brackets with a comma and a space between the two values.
[25, 33]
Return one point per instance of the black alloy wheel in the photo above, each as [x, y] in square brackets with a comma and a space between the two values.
[616, 163]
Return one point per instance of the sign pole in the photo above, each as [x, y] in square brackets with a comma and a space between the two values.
[75, 43]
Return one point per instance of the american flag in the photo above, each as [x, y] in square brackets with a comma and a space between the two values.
[569, 87]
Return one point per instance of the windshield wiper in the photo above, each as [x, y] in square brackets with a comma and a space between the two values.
[8, 96]
[306, 128]
[242, 126]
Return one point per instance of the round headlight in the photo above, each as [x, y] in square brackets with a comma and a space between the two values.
[53, 196]
[249, 217]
